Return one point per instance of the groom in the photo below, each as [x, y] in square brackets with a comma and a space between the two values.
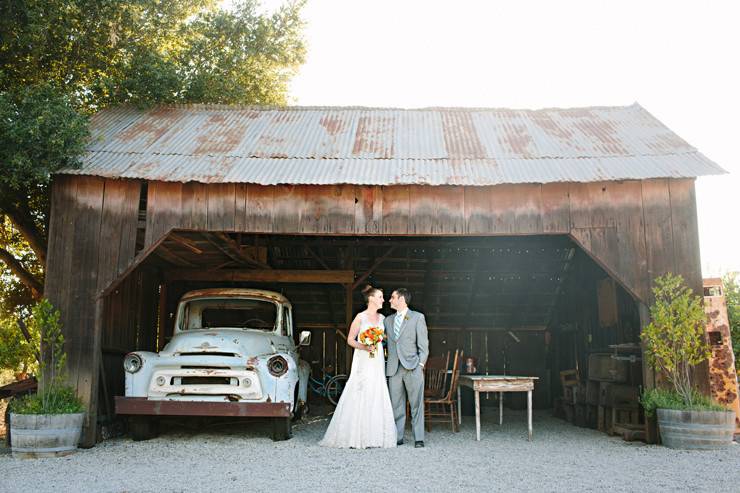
[408, 349]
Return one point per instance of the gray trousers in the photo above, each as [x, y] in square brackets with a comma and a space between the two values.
[408, 383]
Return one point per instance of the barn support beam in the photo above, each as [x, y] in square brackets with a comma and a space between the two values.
[259, 275]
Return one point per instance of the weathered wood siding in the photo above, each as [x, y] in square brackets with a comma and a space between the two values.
[636, 230]
[92, 234]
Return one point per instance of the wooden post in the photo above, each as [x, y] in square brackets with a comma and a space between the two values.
[648, 373]
[459, 405]
[161, 332]
[477, 415]
[529, 414]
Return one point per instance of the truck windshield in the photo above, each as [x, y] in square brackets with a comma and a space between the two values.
[241, 313]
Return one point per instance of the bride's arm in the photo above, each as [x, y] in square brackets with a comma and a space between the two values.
[354, 329]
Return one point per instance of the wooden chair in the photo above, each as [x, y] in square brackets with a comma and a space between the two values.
[444, 409]
[436, 376]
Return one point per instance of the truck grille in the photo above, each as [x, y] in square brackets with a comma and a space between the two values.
[206, 380]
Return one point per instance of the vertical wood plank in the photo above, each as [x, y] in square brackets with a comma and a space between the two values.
[287, 208]
[658, 229]
[395, 210]
[340, 218]
[592, 204]
[422, 209]
[368, 209]
[240, 208]
[221, 206]
[516, 209]
[686, 233]
[631, 238]
[555, 208]
[478, 217]
[449, 211]
[313, 206]
[260, 200]
[82, 316]
[164, 210]
[194, 206]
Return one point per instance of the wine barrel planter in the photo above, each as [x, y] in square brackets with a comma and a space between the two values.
[44, 435]
[696, 429]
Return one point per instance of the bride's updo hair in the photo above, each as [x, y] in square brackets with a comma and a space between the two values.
[368, 291]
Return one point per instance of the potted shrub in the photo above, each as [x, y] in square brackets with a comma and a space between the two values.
[48, 423]
[675, 342]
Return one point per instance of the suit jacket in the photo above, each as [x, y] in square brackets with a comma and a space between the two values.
[412, 345]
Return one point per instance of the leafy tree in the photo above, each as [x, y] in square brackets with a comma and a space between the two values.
[732, 297]
[61, 60]
[675, 339]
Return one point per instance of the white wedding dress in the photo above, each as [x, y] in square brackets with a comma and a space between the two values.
[364, 415]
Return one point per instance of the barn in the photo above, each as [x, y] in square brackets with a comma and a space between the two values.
[529, 238]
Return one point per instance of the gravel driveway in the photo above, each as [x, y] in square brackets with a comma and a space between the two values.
[243, 458]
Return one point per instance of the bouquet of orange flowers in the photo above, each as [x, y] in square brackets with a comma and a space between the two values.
[371, 337]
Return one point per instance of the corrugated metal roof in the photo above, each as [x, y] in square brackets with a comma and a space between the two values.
[378, 146]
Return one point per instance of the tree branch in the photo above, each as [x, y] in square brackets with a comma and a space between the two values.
[27, 227]
[24, 275]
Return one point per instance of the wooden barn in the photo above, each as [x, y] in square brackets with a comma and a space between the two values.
[530, 239]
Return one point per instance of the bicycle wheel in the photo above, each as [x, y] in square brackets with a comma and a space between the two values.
[334, 388]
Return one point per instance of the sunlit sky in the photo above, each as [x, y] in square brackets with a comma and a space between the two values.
[678, 59]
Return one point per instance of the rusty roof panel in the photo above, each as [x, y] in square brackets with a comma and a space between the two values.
[433, 146]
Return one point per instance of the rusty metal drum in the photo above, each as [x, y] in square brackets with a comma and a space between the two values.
[44, 435]
[696, 429]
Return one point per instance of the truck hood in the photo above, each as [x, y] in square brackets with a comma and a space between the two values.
[245, 343]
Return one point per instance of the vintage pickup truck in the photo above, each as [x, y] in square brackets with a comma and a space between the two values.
[232, 354]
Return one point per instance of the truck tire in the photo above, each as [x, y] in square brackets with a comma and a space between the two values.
[142, 427]
[281, 429]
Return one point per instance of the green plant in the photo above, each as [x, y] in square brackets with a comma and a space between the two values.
[732, 295]
[55, 396]
[653, 399]
[16, 353]
[675, 340]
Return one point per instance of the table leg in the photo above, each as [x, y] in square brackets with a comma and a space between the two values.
[459, 406]
[477, 415]
[500, 408]
[529, 413]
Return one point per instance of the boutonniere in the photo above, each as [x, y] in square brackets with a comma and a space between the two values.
[406, 317]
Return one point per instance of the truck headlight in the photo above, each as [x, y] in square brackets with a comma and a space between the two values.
[277, 366]
[132, 363]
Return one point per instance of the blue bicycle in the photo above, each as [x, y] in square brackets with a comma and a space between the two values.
[330, 386]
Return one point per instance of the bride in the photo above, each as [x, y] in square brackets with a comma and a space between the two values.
[364, 415]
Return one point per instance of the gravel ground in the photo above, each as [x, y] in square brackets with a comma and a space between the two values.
[243, 458]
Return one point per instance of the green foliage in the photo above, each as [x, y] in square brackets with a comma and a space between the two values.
[732, 297]
[675, 339]
[63, 59]
[16, 353]
[149, 51]
[40, 133]
[653, 399]
[55, 395]
[58, 400]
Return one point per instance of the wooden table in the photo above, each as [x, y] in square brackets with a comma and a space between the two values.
[500, 384]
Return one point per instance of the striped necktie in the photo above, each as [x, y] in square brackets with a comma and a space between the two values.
[397, 326]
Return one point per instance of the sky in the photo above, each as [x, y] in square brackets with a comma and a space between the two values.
[678, 59]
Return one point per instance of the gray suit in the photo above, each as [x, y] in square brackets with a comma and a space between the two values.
[406, 355]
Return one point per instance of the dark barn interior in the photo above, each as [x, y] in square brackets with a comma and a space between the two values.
[518, 305]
